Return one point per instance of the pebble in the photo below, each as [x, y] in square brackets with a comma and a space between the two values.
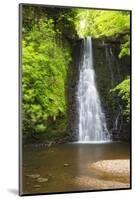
[33, 175]
[36, 186]
[66, 165]
[42, 180]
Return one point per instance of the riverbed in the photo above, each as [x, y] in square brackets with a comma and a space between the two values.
[66, 167]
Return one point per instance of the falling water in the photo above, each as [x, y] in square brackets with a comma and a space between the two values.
[92, 124]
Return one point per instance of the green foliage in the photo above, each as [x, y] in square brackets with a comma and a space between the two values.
[63, 19]
[44, 71]
[125, 48]
[101, 23]
[123, 90]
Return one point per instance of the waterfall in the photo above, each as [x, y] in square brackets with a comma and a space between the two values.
[92, 124]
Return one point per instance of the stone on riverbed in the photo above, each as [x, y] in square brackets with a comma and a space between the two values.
[33, 175]
[36, 186]
[66, 165]
[42, 180]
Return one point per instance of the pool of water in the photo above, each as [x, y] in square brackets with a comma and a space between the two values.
[66, 166]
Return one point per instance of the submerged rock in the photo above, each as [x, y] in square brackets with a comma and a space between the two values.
[66, 165]
[42, 180]
[33, 175]
[36, 186]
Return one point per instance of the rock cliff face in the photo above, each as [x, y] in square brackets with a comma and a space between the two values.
[110, 71]
[73, 77]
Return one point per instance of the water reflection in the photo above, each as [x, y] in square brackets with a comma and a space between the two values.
[67, 166]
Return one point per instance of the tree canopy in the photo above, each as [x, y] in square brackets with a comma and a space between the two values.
[105, 23]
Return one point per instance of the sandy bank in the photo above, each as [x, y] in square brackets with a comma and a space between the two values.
[113, 168]
[107, 174]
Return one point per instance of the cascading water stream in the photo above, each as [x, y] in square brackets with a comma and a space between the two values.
[92, 124]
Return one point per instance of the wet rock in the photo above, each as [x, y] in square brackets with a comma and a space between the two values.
[42, 180]
[33, 175]
[50, 144]
[66, 165]
[107, 65]
[36, 186]
[72, 82]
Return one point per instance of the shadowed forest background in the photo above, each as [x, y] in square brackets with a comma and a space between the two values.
[48, 41]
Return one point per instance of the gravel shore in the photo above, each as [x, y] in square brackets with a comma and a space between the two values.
[108, 174]
[116, 169]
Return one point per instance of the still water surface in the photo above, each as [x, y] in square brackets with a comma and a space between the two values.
[63, 164]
